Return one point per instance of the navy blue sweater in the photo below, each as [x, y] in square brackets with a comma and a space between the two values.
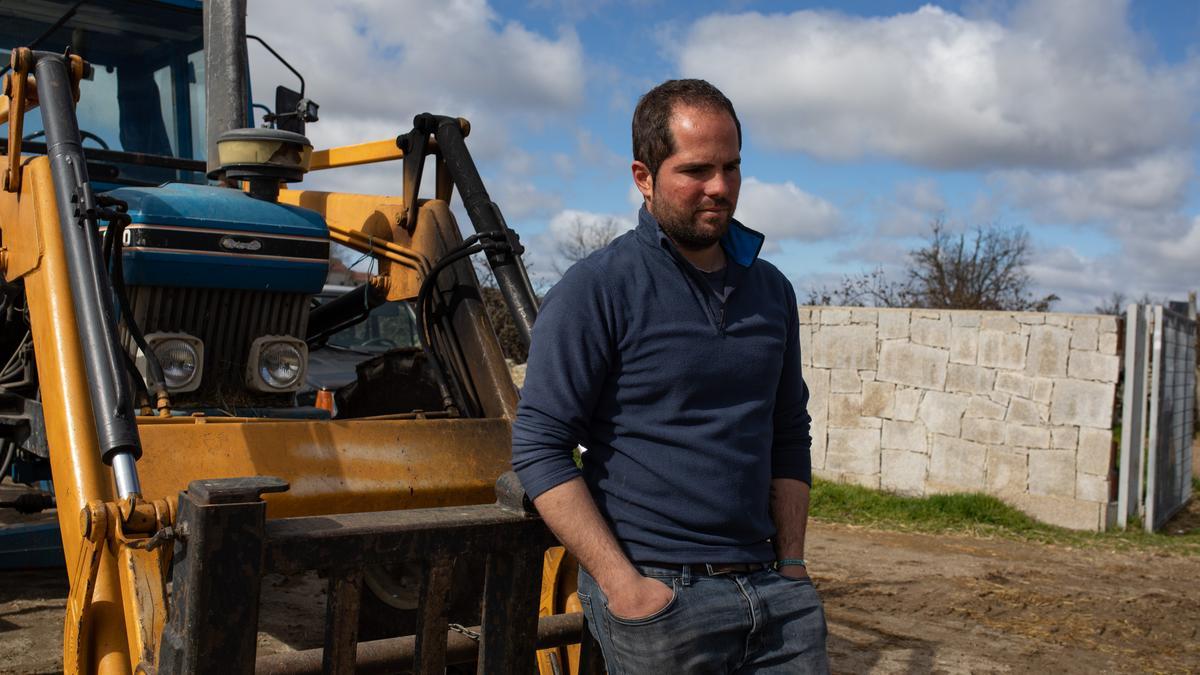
[688, 406]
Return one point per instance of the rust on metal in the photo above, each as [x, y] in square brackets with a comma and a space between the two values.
[510, 599]
[341, 621]
[397, 654]
[143, 592]
[340, 540]
[510, 539]
[437, 575]
[333, 466]
[216, 577]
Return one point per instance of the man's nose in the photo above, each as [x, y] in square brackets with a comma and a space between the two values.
[717, 186]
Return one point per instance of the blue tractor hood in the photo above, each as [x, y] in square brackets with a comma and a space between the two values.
[199, 236]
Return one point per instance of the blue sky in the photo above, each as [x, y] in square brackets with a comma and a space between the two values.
[1075, 119]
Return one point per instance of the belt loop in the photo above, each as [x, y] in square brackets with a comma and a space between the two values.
[686, 575]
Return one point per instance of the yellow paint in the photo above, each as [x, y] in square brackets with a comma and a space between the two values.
[368, 223]
[79, 599]
[353, 155]
[22, 245]
[21, 59]
[79, 475]
[333, 466]
[142, 574]
[560, 583]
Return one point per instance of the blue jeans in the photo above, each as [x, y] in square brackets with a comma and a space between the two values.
[756, 622]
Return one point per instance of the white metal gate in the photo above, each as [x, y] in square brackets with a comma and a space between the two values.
[1159, 414]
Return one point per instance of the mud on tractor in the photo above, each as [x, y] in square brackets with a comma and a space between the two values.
[161, 308]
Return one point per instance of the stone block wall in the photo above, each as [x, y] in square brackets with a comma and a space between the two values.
[1014, 404]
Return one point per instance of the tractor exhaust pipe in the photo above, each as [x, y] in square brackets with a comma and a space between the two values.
[226, 69]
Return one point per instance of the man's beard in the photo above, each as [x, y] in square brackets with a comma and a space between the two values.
[680, 225]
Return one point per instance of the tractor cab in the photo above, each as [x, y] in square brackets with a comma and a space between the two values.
[141, 109]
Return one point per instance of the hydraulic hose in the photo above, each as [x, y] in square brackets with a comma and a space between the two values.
[505, 261]
[476, 243]
[156, 380]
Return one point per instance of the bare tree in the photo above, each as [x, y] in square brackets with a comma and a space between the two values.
[582, 238]
[986, 273]
[1114, 304]
[983, 271]
[873, 289]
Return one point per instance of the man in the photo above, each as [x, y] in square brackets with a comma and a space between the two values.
[673, 356]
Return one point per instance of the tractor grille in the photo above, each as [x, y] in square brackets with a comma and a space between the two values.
[228, 321]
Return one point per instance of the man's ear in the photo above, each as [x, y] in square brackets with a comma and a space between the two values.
[643, 179]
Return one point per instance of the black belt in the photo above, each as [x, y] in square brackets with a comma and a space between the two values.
[711, 569]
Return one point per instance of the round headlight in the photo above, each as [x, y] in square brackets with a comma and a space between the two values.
[280, 365]
[179, 362]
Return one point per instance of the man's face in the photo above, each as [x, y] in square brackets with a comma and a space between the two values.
[696, 190]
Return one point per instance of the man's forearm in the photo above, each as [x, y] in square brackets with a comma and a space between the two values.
[571, 514]
[789, 510]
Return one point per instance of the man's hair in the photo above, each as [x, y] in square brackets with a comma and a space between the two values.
[652, 139]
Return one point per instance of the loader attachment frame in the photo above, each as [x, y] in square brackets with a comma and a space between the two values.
[225, 544]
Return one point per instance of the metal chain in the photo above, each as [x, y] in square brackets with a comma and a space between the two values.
[459, 628]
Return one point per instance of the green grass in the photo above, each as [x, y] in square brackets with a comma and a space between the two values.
[978, 515]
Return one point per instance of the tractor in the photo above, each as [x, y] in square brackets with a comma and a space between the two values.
[163, 317]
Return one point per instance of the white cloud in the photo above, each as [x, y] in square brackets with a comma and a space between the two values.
[1161, 266]
[1061, 84]
[544, 251]
[565, 223]
[783, 211]
[1146, 187]
[1080, 283]
[598, 155]
[563, 164]
[376, 63]
[521, 199]
[1059, 104]
[910, 211]
[875, 253]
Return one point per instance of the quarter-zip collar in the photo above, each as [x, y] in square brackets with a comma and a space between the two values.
[741, 244]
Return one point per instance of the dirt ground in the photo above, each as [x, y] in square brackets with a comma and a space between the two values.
[896, 602]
